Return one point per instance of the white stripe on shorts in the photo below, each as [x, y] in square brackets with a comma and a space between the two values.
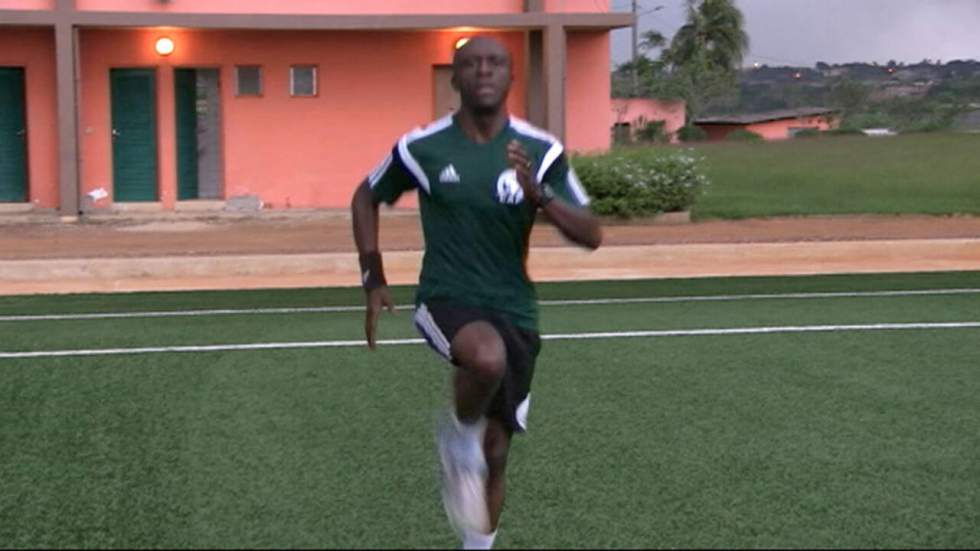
[521, 414]
[427, 326]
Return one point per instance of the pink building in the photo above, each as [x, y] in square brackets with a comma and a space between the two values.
[170, 104]
[772, 125]
[635, 113]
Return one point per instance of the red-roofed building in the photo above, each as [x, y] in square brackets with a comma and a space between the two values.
[771, 125]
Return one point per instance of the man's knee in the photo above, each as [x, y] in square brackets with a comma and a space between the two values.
[489, 360]
[479, 349]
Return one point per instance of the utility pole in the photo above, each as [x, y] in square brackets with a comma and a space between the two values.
[636, 47]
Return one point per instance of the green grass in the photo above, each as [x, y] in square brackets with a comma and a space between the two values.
[937, 173]
[850, 439]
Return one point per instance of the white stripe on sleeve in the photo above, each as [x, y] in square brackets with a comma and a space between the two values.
[578, 191]
[412, 165]
[379, 171]
[549, 159]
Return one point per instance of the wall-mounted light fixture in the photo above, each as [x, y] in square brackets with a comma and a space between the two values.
[462, 42]
[164, 46]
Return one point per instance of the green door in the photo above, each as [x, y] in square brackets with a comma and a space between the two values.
[185, 94]
[134, 134]
[13, 136]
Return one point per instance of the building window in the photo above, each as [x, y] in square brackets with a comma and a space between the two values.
[302, 81]
[249, 80]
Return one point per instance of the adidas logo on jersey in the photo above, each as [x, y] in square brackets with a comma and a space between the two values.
[449, 175]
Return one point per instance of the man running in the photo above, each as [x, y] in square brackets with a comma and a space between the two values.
[481, 176]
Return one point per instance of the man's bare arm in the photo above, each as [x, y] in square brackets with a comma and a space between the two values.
[364, 214]
[577, 224]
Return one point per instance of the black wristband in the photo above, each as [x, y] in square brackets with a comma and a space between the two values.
[372, 271]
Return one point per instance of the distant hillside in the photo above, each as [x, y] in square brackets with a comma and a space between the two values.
[852, 86]
[897, 73]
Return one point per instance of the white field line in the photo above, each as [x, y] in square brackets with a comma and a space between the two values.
[577, 302]
[554, 337]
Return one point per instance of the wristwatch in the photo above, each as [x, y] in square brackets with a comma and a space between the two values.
[547, 195]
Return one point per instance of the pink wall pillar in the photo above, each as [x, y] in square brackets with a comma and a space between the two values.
[587, 91]
[166, 135]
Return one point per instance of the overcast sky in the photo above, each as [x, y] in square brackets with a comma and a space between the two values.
[802, 32]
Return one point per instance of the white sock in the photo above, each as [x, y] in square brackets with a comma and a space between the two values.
[473, 430]
[476, 540]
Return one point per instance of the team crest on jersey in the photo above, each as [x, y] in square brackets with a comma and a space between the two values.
[509, 191]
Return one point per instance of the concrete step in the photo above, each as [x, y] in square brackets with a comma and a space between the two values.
[97, 275]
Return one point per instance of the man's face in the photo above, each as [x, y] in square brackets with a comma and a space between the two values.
[482, 74]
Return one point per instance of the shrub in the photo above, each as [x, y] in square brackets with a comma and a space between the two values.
[692, 133]
[807, 133]
[641, 184]
[845, 131]
[742, 135]
[927, 123]
[653, 132]
[870, 120]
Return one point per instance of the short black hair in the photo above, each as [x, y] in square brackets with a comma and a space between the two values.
[482, 38]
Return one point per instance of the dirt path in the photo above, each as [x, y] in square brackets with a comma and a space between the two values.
[308, 234]
[317, 250]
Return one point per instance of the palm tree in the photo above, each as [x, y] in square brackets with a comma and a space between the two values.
[713, 35]
[639, 77]
[706, 52]
[652, 40]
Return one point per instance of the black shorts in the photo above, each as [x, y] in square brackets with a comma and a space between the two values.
[439, 323]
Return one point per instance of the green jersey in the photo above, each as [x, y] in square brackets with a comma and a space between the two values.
[474, 218]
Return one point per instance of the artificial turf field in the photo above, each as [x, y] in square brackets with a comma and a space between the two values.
[833, 411]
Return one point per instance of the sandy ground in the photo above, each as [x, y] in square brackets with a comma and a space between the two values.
[311, 233]
[316, 249]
